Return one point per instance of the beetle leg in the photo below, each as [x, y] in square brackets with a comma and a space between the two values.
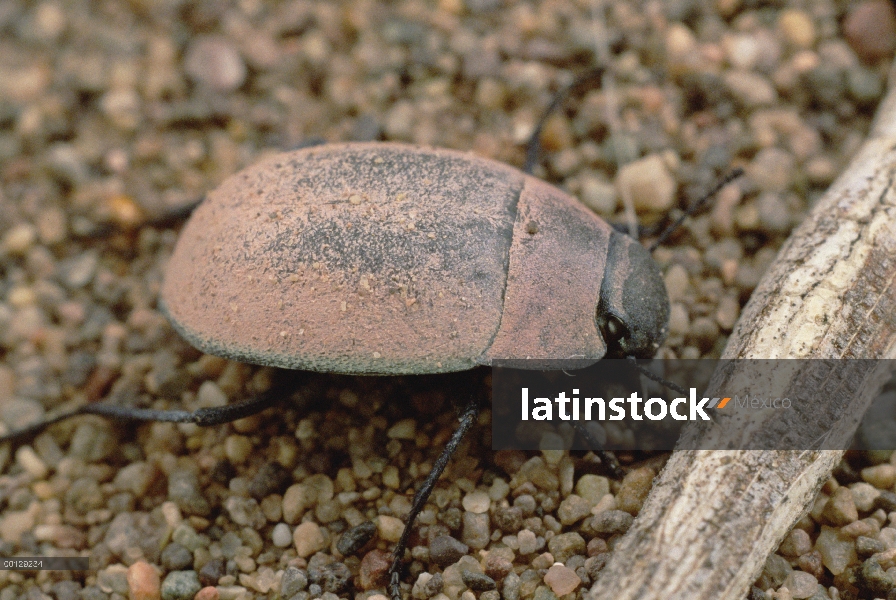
[608, 459]
[467, 419]
[203, 417]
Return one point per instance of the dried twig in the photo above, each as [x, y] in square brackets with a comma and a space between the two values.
[714, 516]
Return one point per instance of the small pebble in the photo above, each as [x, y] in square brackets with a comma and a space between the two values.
[406, 429]
[562, 579]
[873, 580]
[176, 558]
[864, 496]
[444, 550]
[294, 581]
[334, 578]
[611, 522]
[797, 28]
[796, 543]
[573, 509]
[215, 62]
[374, 568]
[866, 546]
[648, 183]
[434, 586]
[774, 573]
[478, 582]
[840, 508]
[593, 487]
[185, 491]
[143, 581]
[508, 519]
[281, 535]
[801, 585]
[528, 541]
[272, 478]
[870, 29]
[477, 502]
[634, 490]
[207, 593]
[880, 476]
[389, 528]
[476, 532]
[212, 571]
[837, 551]
[356, 538]
[308, 539]
[180, 585]
[245, 512]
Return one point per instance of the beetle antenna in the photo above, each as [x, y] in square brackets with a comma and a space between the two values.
[467, 419]
[731, 176]
[654, 377]
[533, 146]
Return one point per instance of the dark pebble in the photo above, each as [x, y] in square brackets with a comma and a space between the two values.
[866, 546]
[509, 519]
[757, 594]
[812, 563]
[213, 571]
[356, 538]
[595, 564]
[452, 518]
[185, 491]
[334, 577]
[845, 474]
[445, 550]
[272, 478]
[886, 501]
[612, 522]
[873, 580]
[176, 558]
[294, 581]
[497, 567]
[434, 585]
[775, 572]
[315, 590]
[477, 581]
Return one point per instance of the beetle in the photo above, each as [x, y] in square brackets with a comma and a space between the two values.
[382, 258]
[388, 259]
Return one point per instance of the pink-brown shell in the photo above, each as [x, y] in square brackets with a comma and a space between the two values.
[384, 259]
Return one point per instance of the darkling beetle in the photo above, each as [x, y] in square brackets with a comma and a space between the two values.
[390, 259]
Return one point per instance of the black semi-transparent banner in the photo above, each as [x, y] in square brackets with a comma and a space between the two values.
[695, 404]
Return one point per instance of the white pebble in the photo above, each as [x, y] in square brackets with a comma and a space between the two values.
[282, 535]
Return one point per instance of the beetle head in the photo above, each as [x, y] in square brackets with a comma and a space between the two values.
[633, 311]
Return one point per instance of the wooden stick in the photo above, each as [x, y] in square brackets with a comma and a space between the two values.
[714, 516]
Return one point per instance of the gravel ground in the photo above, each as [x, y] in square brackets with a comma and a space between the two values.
[113, 114]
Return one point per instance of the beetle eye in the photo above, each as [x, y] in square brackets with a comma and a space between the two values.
[614, 333]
